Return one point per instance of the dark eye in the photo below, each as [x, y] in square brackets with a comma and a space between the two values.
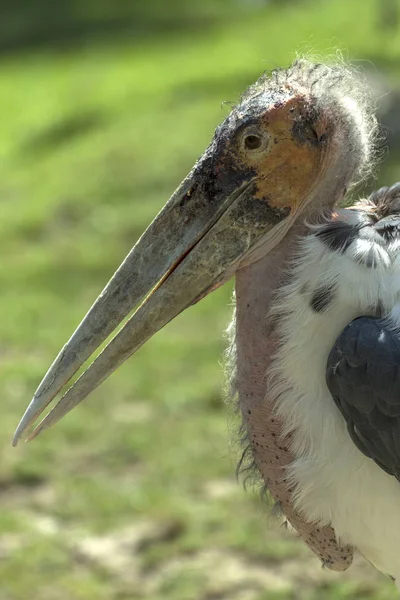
[254, 140]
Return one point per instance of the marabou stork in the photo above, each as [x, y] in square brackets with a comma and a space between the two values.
[315, 344]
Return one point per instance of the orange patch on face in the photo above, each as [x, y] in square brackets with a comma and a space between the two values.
[288, 171]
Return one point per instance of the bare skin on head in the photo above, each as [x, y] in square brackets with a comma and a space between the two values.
[292, 147]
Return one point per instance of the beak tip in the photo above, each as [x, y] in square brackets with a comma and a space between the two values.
[44, 424]
[30, 415]
[21, 428]
[17, 436]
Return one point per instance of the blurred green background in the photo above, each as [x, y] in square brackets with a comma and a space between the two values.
[104, 107]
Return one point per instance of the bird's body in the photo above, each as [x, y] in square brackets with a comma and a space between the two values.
[334, 483]
[289, 151]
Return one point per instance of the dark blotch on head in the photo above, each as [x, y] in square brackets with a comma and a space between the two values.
[322, 297]
[304, 131]
[338, 235]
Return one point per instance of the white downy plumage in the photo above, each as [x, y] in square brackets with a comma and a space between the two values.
[334, 482]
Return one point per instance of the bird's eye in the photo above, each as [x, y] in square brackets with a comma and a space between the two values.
[254, 140]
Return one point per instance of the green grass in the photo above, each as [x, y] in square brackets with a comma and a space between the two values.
[92, 143]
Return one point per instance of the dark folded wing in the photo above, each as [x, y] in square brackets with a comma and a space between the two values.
[363, 376]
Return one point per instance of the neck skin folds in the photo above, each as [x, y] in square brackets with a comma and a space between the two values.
[256, 342]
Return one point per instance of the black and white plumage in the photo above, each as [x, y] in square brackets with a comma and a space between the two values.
[363, 369]
[340, 318]
[363, 376]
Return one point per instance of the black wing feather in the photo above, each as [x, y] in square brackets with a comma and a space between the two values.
[363, 376]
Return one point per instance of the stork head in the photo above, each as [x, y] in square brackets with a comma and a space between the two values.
[296, 141]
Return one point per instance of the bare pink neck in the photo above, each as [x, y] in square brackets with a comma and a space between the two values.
[256, 341]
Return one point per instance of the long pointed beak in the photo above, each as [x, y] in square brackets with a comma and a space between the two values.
[190, 249]
[262, 168]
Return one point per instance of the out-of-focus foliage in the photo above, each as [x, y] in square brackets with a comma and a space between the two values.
[104, 108]
[45, 23]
